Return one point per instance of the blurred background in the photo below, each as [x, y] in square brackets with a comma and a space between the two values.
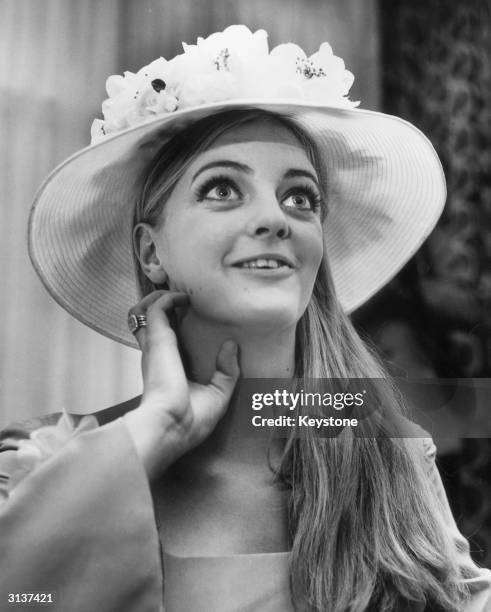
[428, 61]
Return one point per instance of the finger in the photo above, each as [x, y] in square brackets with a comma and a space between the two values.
[142, 306]
[141, 309]
[225, 377]
[161, 358]
[176, 298]
[159, 328]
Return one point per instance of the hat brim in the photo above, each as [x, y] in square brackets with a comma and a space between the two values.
[386, 193]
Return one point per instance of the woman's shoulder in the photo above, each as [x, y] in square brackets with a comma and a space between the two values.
[426, 441]
[423, 443]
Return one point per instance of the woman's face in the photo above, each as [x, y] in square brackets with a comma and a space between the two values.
[241, 233]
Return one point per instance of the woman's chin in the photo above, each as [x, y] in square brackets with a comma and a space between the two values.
[263, 318]
[265, 311]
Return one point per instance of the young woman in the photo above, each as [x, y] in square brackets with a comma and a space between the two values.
[257, 225]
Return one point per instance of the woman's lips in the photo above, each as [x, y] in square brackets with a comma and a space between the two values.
[264, 261]
[277, 272]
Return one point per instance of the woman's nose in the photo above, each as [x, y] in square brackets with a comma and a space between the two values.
[268, 221]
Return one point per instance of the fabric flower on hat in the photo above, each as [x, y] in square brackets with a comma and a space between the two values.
[231, 65]
[321, 78]
[199, 82]
[135, 98]
[45, 442]
[217, 67]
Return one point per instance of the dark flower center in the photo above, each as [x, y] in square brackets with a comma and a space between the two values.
[158, 85]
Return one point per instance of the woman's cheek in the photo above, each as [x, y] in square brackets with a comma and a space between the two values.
[312, 253]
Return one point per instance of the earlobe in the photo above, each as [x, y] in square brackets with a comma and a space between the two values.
[146, 252]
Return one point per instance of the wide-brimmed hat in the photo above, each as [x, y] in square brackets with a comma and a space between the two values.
[386, 187]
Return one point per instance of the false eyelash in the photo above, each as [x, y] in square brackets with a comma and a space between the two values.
[314, 196]
[214, 181]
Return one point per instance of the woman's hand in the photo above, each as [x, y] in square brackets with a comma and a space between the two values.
[175, 414]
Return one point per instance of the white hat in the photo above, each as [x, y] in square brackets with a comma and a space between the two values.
[386, 184]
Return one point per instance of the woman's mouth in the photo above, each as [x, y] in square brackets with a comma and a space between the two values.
[265, 261]
[263, 264]
[270, 266]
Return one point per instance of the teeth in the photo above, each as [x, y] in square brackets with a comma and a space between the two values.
[262, 263]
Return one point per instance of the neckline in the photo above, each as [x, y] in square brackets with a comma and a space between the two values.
[278, 555]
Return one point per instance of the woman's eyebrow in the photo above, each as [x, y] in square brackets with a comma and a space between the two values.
[294, 172]
[227, 163]
[224, 163]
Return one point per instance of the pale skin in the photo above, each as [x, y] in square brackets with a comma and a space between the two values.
[252, 196]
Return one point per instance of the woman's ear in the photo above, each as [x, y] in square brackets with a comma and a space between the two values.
[146, 252]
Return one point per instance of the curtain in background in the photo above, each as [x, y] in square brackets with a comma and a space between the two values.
[435, 317]
[55, 56]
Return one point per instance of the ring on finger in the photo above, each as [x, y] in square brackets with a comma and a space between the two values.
[135, 322]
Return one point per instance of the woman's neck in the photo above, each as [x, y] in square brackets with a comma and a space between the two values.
[262, 354]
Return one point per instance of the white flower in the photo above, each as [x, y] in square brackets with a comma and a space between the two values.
[334, 86]
[320, 78]
[135, 98]
[236, 49]
[218, 67]
[206, 88]
[233, 64]
[280, 76]
[45, 442]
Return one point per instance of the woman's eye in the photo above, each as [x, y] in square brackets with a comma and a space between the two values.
[302, 201]
[222, 191]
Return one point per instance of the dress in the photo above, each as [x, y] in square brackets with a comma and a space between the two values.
[234, 583]
[90, 537]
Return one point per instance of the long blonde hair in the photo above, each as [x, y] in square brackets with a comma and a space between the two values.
[365, 528]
